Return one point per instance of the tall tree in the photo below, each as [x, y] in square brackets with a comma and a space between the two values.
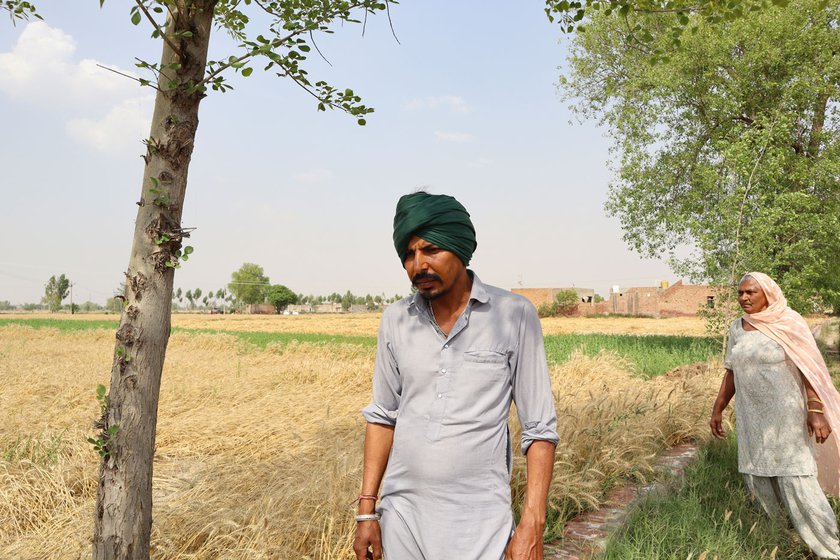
[249, 283]
[574, 15]
[280, 296]
[181, 79]
[730, 145]
[55, 291]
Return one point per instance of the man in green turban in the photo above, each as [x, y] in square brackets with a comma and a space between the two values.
[450, 360]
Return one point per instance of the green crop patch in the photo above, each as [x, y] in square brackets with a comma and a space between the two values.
[650, 354]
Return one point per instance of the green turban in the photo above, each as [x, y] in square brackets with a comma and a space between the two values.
[437, 218]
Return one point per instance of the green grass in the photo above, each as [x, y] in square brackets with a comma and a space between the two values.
[263, 339]
[64, 324]
[41, 452]
[712, 513]
[259, 339]
[694, 519]
[650, 354]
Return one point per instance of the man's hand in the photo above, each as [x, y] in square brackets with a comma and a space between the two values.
[526, 543]
[368, 542]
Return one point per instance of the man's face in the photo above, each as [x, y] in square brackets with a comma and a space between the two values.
[751, 297]
[432, 270]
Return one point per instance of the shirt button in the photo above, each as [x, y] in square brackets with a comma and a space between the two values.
[443, 370]
[440, 395]
[446, 346]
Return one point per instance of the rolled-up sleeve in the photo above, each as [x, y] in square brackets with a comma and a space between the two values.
[387, 385]
[532, 385]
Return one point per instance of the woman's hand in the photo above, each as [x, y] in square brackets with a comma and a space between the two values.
[818, 426]
[725, 394]
[716, 423]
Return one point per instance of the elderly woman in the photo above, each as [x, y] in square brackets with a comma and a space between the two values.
[785, 396]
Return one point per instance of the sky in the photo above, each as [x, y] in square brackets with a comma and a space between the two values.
[466, 104]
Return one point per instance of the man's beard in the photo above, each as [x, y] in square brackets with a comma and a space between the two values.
[427, 276]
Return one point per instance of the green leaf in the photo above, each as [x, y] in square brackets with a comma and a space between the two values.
[135, 18]
[247, 71]
[100, 390]
[188, 249]
[362, 122]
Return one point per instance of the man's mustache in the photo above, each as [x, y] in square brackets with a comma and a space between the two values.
[424, 276]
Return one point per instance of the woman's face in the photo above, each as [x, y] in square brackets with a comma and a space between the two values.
[751, 297]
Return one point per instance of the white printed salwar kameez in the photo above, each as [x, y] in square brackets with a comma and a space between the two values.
[775, 452]
[446, 491]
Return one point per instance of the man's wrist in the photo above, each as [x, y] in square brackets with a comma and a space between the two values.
[532, 517]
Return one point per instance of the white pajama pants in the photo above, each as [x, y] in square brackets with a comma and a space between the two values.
[806, 506]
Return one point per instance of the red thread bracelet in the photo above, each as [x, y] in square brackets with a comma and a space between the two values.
[364, 497]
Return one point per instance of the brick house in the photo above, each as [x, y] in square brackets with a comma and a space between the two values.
[664, 301]
[543, 296]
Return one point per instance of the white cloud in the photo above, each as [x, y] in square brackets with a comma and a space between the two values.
[41, 68]
[452, 102]
[313, 176]
[119, 132]
[103, 110]
[454, 136]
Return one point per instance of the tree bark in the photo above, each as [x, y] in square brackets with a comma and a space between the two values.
[123, 516]
[817, 125]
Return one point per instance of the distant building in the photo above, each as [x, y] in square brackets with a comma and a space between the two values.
[261, 309]
[545, 296]
[662, 301]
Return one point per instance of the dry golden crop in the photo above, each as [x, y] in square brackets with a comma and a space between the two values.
[259, 451]
[366, 324]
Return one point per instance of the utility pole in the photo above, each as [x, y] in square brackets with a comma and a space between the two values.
[72, 310]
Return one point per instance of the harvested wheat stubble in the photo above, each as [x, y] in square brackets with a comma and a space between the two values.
[259, 452]
[366, 324]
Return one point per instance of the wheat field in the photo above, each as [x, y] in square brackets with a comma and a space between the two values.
[366, 324]
[259, 451]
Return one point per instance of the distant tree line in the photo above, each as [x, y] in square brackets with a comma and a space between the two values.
[249, 285]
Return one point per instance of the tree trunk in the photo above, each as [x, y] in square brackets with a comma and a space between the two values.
[124, 499]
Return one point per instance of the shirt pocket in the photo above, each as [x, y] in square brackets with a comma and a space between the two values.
[484, 367]
[489, 357]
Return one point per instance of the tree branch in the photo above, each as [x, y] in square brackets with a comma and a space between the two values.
[390, 22]
[274, 44]
[166, 39]
[142, 82]
[314, 44]
[817, 125]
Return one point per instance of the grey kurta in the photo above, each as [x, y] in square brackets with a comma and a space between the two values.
[446, 491]
[770, 407]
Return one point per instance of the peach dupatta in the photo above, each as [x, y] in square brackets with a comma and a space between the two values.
[789, 329]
